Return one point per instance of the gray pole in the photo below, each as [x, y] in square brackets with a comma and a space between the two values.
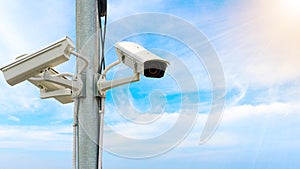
[86, 26]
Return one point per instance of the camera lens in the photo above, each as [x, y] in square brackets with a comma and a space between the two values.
[154, 69]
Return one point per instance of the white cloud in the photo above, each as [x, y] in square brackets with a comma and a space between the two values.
[143, 131]
[241, 126]
[235, 92]
[14, 118]
[236, 129]
[52, 138]
[20, 98]
[242, 112]
[22, 31]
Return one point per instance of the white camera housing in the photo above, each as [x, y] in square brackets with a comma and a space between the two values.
[141, 60]
[30, 65]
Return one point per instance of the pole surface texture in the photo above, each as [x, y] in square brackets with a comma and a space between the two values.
[88, 110]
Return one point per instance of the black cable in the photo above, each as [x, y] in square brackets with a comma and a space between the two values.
[103, 37]
[102, 12]
[102, 7]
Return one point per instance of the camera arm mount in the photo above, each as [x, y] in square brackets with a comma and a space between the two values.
[103, 85]
[57, 85]
[73, 86]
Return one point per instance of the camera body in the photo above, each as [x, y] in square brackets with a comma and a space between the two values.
[140, 60]
[27, 66]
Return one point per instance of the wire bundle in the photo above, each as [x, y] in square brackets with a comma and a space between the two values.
[102, 13]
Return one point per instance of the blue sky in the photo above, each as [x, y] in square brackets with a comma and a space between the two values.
[257, 45]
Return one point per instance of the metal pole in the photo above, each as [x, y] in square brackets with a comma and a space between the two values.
[88, 114]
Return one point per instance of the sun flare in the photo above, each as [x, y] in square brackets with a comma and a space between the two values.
[291, 8]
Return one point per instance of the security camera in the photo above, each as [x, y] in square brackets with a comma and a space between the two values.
[30, 65]
[141, 60]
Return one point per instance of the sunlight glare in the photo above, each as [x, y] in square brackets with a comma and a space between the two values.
[291, 8]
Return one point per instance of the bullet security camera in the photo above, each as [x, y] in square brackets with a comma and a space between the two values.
[30, 65]
[141, 60]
